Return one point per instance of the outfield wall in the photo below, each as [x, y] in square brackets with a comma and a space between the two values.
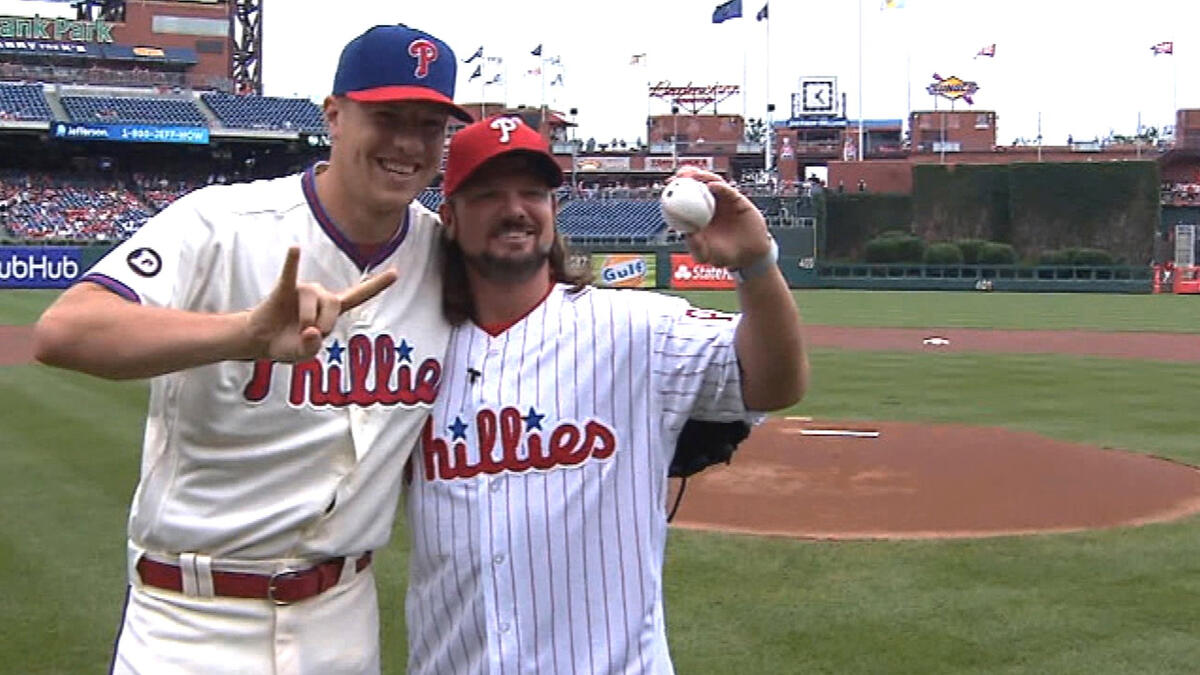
[669, 266]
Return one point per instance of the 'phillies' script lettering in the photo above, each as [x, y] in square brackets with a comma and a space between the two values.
[567, 444]
[322, 383]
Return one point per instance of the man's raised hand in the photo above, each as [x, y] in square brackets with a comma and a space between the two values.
[292, 322]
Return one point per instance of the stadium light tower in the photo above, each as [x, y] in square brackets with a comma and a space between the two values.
[247, 47]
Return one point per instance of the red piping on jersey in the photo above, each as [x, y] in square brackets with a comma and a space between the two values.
[494, 329]
[356, 254]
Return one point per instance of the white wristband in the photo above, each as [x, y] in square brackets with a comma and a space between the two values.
[759, 267]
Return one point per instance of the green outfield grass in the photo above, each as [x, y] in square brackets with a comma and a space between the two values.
[1025, 311]
[21, 307]
[902, 309]
[1114, 601]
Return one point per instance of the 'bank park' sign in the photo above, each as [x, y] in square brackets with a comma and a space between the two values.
[63, 30]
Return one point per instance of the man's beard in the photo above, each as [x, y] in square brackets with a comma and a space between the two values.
[509, 269]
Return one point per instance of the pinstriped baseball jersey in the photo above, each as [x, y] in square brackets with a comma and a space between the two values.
[274, 461]
[537, 508]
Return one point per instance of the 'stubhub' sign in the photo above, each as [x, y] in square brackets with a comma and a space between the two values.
[38, 267]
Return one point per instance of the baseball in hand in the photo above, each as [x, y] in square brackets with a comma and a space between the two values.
[687, 205]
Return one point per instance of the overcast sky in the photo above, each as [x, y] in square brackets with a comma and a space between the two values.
[1085, 65]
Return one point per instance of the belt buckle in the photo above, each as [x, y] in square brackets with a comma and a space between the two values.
[273, 581]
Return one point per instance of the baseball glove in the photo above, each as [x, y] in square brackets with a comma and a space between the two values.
[702, 444]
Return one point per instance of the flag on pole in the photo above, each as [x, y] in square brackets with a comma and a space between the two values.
[727, 10]
[534, 71]
[988, 51]
[537, 51]
[495, 59]
[557, 80]
[892, 4]
[637, 59]
[762, 13]
[1167, 47]
[478, 73]
[478, 54]
[494, 80]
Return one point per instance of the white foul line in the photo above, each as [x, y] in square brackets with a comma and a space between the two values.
[834, 432]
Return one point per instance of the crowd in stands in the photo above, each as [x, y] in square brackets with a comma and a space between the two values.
[39, 206]
[1180, 194]
[158, 192]
[36, 206]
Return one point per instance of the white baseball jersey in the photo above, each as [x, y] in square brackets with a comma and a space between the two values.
[537, 508]
[248, 461]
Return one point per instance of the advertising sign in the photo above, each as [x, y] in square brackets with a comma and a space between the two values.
[131, 133]
[602, 164]
[668, 164]
[687, 273]
[39, 27]
[40, 266]
[625, 270]
[953, 88]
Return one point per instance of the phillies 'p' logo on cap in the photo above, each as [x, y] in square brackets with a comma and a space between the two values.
[475, 144]
[426, 53]
[505, 125]
[397, 63]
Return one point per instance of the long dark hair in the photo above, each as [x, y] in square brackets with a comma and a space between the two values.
[459, 306]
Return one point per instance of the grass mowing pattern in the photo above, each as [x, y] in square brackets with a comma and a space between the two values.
[1116, 601]
[1010, 311]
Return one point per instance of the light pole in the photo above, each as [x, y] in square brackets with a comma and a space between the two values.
[574, 152]
[675, 138]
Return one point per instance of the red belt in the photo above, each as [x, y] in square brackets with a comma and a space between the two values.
[282, 587]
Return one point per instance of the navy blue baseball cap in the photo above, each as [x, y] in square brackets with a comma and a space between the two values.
[398, 63]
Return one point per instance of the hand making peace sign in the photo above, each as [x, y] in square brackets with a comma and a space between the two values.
[292, 322]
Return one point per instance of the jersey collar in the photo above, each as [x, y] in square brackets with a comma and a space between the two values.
[495, 329]
[309, 183]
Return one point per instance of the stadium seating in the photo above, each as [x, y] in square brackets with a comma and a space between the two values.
[593, 219]
[41, 207]
[265, 112]
[431, 199]
[615, 218]
[23, 102]
[132, 110]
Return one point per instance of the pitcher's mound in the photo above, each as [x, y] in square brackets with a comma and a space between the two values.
[914, 481]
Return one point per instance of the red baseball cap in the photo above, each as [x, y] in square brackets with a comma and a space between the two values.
[485, 140]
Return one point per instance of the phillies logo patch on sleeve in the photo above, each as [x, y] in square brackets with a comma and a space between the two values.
[145, 262]
[425, 52]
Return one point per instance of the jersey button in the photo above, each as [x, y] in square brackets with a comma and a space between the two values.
[496, 483]
[504, 627]
[498, 559]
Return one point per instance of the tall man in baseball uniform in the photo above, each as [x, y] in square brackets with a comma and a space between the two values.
[537, 505]
[281, 413]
